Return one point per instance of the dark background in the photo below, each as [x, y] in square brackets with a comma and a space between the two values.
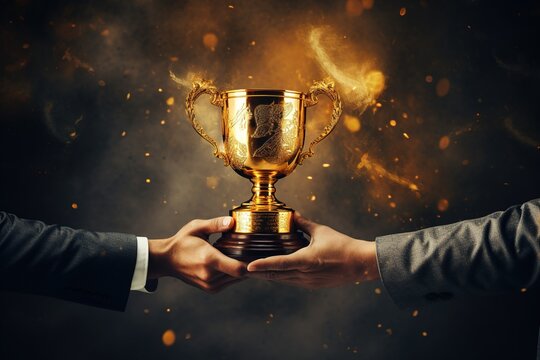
[461, 80]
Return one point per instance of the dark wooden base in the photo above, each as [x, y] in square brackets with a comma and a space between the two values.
[249, 247]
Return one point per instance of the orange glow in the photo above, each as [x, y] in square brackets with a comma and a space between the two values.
[352, 123]
[443, 87]
[210, 41]
[168, 338]
[442, 205]
[170, 101]
[402, 11]
[444, 142]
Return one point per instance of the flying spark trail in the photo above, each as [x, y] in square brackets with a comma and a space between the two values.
[360, 88]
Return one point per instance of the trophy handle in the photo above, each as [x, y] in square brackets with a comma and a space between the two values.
[204, 87]
[325, 87]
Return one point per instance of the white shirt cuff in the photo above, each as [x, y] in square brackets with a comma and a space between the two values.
[138, 281]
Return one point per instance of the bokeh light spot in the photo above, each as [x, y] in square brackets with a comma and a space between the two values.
[168, 338]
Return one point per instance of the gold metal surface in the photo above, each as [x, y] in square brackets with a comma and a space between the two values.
[263, 222]
[263, 136]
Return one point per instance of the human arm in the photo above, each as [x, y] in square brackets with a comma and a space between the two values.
[97, 268]
[496, 253]
[331, 259]
[499, 252]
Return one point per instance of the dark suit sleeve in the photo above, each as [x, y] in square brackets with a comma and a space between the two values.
[77, 265]
[496, 253]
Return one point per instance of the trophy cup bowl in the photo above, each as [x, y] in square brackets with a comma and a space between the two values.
[263, 137]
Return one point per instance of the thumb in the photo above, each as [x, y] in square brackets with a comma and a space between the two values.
[304, 224]
[210, 226]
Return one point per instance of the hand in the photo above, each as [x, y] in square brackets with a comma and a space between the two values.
[331, 259]
[189, 257]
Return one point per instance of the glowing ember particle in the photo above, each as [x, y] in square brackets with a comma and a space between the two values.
[313, 198]
[402, 11]
[378, 291]
[105, 33]
[210, 41]
[326, 165]
[187, 336]
[379, 105]
[146, 154]
[231, 6]
[124, 133]
[442, 205]
[413, 187]
[444, 142]
[523, 290]
[310, 177]
[74, 206]
[406, 136]
[367, 4]
[393, 122]
[379, 326]
[146, 311]
[26, 46]
[414, 313]
[102, 83]
[170, 101]
[405, 115]
[389, 331]
[168, 338]
[354, 7]
[352, 123]
[429, 79]
[392, 204]
[128, 96]
[252, 43]
[424, 333]
[162, 122]
[174, 58]
[148, 181]
[212, 182]
[443, 87]
[375, 82]
[250, 77]
[160, 90]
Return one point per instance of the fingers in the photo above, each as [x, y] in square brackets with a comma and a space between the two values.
[217, 284]
[304, 224]
[206, 227]
[228, 265]
[294, 261]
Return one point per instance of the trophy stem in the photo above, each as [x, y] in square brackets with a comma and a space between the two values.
[263, 190]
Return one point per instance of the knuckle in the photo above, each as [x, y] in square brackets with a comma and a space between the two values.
[194, 224]
[205, 275]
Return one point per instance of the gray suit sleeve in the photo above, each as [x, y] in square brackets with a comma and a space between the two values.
[496, 253]
[76, 265]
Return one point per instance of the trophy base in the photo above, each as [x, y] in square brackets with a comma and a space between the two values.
[249, 247]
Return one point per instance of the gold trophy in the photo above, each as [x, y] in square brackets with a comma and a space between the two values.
[263, 136]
